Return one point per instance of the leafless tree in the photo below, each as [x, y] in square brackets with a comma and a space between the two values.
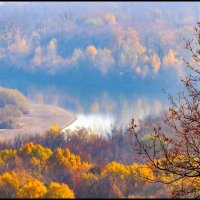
[177, 154]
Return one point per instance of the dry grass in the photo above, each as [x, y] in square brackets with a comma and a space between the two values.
[39, 119]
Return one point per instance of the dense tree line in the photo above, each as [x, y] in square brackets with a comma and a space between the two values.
[74, 164]
[71, 40]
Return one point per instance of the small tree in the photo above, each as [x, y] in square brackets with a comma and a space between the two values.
[57, 190]
[175, 157]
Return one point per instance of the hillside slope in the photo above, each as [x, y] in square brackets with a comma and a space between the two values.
[38, 120]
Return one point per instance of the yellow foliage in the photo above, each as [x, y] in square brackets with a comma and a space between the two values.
[56, 190]
[193, 182]
[66, 159]
[34, 161]
[9, 184]
[86, 166]
[32, 189]
[1, 161]
[55, 129]
[170, 59]
[20, 46]
[7, 154]
[27, 148]
[89, 177]
[37, 151]
[165, 177]
[52, 47]
[92, 51]
[138, 171]
[142, 50]
[24, 177]
[110, 18]
[23, 45]
[155, 63]
[142, 172]
[145, 58]
[186, 182]
[115, 169]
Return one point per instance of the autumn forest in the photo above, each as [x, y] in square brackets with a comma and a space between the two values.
[99, 100]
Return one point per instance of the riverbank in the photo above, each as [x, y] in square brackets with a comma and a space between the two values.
[38, 121]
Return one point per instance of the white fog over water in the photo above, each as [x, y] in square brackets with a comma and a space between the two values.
[104, 122]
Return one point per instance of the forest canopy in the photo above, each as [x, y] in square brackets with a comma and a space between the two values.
[143, 41]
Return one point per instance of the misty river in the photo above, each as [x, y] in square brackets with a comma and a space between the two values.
[100, 106]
